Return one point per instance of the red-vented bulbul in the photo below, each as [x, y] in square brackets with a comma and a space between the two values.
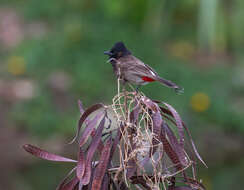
[130, 69]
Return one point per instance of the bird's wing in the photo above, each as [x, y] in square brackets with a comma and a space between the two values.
[136, 66]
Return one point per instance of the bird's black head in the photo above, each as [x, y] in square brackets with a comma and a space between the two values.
[117, 51]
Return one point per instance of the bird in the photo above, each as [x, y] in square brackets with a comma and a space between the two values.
[130, 69]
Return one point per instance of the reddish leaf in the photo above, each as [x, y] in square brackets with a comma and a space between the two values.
[140, 180]
[189, 135]
[170, 152]
[156, 129]
[70, 185]
[150, 104]
[88, 130]
[131, 168]
[194, 146]
[45, 154]
[84, 117]
[81, 164]
[178, 124]
[179, 188]
[81, 107]
[134, 114]
[102, 166]
[131, 164]
[194, 184]
[64, 181]
[117, 139]
[100, 146]
[105, 184]
[157, 122]
[175, 145]
[92, 148]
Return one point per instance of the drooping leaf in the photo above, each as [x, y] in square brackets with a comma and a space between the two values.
[45, 154]
[140, 180]
[178, 124]
[81, 164]
[84, 116]
[131, 163]
[71, 184]
[169, 151]
[100, 146]
[102, 166]
[123, 186]
[105, 184]
[64, 181]
[131, 167]
[190, 137]
[90, 126]
[134, 114]
[175, 145]
[117, 139]
[92, 148]
[81, 107]
[194, 184]
[150, 104]
[194, 146]
[179, 188]
[156, 130]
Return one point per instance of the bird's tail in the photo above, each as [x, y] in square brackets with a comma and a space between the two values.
[170, 84]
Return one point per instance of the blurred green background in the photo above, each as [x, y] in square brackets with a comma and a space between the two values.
[51, 55]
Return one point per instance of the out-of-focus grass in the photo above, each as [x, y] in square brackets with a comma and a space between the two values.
[76, 47]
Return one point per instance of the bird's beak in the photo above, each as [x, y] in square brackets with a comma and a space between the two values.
[108, 53]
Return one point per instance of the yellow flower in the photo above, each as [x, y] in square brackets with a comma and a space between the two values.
[200, 102]
[16, 65]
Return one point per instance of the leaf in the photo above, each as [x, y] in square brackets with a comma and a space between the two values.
[92, 148]
[70, 185]
[134, 114]
[179, 188]
[81, 107]
[178, 124]
[157, 122]
[81, 164]
[105, 184]
[84, 117]
[194, 184]
[169, 151]
[140, 180]
[88, 130]
[156, 129]
[117, 139]
[194, 146]
[150, 104]
[131, 166]
[64, 181]
[100, 146]
[123, 186]
[102, 166]
[175, 145]
[189, 135]
[45, 154]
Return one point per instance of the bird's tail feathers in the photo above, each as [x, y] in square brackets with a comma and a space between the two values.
[170, 84]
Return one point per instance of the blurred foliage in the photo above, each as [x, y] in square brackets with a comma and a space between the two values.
[197, 44]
